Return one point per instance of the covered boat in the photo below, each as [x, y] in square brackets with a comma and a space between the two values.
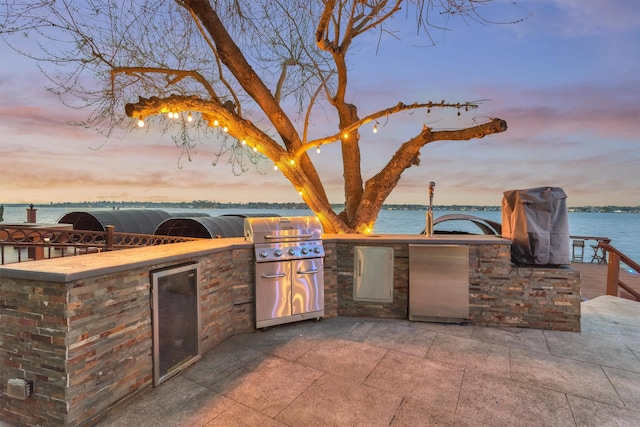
[138, 221]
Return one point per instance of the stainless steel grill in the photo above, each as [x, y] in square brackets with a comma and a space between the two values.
[289, 268]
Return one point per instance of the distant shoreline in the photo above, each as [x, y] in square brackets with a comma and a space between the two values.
[204, 204]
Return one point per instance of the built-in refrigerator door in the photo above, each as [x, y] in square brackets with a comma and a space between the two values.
[308, 286]
[273, 291]
[175, 320]
[439, 283]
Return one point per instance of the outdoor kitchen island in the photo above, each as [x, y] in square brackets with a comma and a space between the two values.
[81, 329]
[500, 294]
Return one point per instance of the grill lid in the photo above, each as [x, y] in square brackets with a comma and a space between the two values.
[282, 229]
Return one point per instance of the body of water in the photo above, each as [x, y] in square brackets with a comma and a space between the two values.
[622, 228]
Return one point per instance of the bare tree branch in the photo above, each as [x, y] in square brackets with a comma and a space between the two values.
[179, 75]
[371, 117]
[215, 53]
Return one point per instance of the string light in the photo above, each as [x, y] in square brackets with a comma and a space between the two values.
[275, 167]
[318, 149]
[292, 162]
[225, 129]
[215, 123]
[345, 136]
[255, 148]
[140, 122]
[244, 142]
[300, 192]
[170, 114]
[189, 117]
[375, 127]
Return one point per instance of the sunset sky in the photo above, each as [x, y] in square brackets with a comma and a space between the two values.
[566, 80]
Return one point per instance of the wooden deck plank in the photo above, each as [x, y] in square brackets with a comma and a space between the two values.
[593, 279]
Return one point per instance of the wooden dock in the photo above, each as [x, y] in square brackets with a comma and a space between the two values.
[593, 279]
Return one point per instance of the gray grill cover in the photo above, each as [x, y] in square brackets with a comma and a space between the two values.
[537, 223]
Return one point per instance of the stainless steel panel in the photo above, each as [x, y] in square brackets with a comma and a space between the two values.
[282, 229]
[273, 290]
[373, 275]
[439, 283]
[307, 294]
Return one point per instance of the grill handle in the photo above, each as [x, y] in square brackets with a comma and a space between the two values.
[273, 276]
[297, 236]
[314, 271]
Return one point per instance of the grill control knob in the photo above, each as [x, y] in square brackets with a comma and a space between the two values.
[292, 251]
[316, 250]
[277, 252]
[305, 251]
[263, 254]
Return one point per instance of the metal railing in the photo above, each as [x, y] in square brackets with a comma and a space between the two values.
[613, 271]
[29, 243]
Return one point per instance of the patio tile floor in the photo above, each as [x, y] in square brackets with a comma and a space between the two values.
[373, 372]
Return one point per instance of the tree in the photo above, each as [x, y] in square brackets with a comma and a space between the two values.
[251, 71]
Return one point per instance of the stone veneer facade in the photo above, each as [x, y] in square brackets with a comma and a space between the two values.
[500, 294]
[80, 328]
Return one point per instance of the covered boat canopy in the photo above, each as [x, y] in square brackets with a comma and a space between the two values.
[138, 221]
[206, 227]
[202, 227]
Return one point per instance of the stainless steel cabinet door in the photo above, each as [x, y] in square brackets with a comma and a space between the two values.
[308, 286]
[273, 290]
[439, 283]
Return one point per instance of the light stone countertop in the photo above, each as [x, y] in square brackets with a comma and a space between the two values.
[72, 268]
[438, 239]
[90, 265]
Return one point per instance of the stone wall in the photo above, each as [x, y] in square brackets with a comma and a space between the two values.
[500, 294]
[331, 287]
[87, 343]
[33, 331]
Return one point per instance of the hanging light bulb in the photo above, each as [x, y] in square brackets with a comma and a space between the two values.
[170, 114]
[255, 148]
[428, 111]
[244, 142]
[140, 122]
[318, 149]
[275, 167]
[225, 129]
[345, 136]
[375, 128]
[215, 123]
[458, 114]
[292, 162]
[189, 117]
[300, 192]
